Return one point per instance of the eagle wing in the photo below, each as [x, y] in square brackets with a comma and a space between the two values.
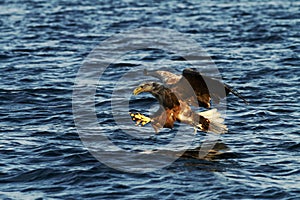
[205, 87]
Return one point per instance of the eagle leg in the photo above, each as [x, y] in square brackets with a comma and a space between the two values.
[203, 124]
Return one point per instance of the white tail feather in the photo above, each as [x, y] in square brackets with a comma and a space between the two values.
[216, 121]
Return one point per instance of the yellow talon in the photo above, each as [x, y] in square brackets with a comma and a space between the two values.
[140, 119]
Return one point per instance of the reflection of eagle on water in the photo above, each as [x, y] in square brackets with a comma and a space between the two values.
[178, 94]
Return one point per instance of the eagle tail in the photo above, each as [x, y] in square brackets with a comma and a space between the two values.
[216, 121]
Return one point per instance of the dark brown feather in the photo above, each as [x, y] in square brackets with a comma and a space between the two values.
[205, 87]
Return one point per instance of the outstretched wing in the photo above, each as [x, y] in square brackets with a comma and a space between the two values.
[233, 91]
[206, 87]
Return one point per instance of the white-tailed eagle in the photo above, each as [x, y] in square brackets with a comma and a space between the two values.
[178, 94]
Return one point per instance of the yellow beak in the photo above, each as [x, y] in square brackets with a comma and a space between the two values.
[137, 90]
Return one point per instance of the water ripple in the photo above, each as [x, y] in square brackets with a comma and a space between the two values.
[255, 45]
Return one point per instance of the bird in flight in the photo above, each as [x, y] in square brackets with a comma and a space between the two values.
[176, 96]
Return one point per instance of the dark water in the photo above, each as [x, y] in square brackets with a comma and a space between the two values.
[44, 43]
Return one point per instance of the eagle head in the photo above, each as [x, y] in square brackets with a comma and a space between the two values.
[146, 87]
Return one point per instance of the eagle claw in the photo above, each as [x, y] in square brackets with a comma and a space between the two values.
[140, 119]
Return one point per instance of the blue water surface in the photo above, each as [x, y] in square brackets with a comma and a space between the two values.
[255, 46]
